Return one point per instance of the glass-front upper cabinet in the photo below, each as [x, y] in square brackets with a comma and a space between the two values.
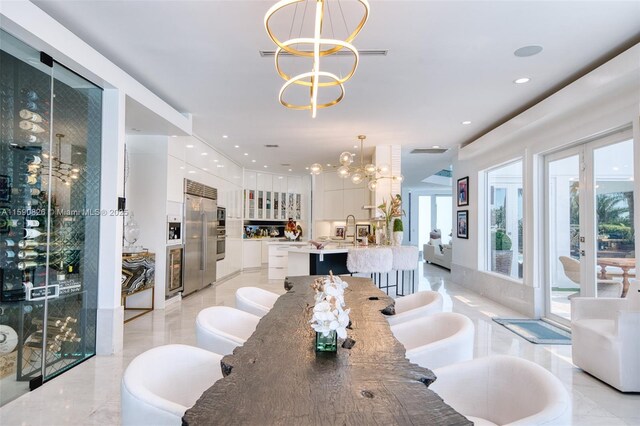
[260, 204]
[276, 205]
[283, 205]
[251, 203]
[267, 207]
[50, 144]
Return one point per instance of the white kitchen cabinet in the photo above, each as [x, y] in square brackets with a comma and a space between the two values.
[265, 251]
[175, 178]
[333, 205]
[251, 254]
[264, 181]
[294, 184]
[277, 261]
[354, 199]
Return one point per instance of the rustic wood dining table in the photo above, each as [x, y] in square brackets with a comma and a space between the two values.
[277, 378]
[624, 263]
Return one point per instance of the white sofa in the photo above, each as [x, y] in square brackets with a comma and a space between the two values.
[606, 340]
[432, 254]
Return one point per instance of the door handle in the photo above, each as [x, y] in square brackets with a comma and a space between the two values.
[583, 253]
[203, 262]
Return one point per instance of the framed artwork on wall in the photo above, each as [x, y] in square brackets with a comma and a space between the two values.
[463, 191]
[363, 230]
[340, 232]
[463, 224]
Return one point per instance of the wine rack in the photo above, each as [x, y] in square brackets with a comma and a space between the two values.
[50, 137]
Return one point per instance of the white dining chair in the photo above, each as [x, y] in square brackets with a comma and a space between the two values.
[159, 385]
[255, 300]
[417, 305]
[221, 329]
[436, 340]
[502, 390]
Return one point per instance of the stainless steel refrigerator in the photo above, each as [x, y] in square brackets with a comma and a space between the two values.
[200, 221]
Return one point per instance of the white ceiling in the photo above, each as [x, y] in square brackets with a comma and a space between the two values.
[448, 61]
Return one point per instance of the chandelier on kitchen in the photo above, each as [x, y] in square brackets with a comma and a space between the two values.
[359, 173]
[315, 48]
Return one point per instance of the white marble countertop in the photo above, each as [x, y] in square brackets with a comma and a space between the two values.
[290, 243]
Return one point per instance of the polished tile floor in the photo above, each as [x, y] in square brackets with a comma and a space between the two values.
[90, 393]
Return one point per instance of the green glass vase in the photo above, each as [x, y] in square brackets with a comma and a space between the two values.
[328, 343]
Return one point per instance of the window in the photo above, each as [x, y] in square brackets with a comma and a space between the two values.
[504, 237]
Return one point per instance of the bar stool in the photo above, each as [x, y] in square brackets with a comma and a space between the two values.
[405, 258]
[374, 261]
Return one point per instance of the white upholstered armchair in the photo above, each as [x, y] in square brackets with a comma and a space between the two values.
[606, 340]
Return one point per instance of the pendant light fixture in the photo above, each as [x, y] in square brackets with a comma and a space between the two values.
[369, 172]
[317, 47]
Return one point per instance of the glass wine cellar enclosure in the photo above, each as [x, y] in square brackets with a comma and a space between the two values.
[50, 140]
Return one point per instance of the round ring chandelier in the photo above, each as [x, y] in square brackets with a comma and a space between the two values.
[359, 173]
[318, 47]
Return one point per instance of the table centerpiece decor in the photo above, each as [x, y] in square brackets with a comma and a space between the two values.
[330, 318]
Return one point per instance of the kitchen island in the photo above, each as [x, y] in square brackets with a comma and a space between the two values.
[311, 261]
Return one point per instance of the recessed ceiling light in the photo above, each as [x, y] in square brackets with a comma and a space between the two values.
[290, 170]
[225, 136]
[236, 146]
[615, 168]
[466, 123]
[328, 165]
[181, 167]
[189, 146]
[306, 168]
[204, 153]
[280, 177]
[205, 169]
[246, 153]
[215, 161]
[192, 171]
[522, 80]
[174, 136]
[253, 161]
[525, 51]
[355, 146]
[266, 167]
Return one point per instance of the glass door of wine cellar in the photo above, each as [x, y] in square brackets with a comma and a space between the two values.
[50, 139]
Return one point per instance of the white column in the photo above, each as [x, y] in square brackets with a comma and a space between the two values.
[110, 323]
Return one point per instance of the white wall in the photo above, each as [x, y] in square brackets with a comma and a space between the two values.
[605, 99]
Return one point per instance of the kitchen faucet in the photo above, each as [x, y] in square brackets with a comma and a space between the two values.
[346, 229]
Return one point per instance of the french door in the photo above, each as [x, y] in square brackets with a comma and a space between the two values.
[589, 243]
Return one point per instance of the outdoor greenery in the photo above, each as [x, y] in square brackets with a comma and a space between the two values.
[500, 240]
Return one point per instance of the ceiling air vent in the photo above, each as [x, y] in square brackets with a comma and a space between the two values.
[344, 52]
[271, 146]
[429, 151]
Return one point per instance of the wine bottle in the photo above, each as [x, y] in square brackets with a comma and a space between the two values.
[29, 264]
[29, 223]
[33, 160]
[29, 254]
[30, 233]
[31, 127]
[8, 243]
[23, 244]
[31, 116]
[8, 255]
[51, 322]
[34, 139]
[30, 95]
[32, 179]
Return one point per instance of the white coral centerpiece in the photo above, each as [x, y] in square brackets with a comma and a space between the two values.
[329, 313]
